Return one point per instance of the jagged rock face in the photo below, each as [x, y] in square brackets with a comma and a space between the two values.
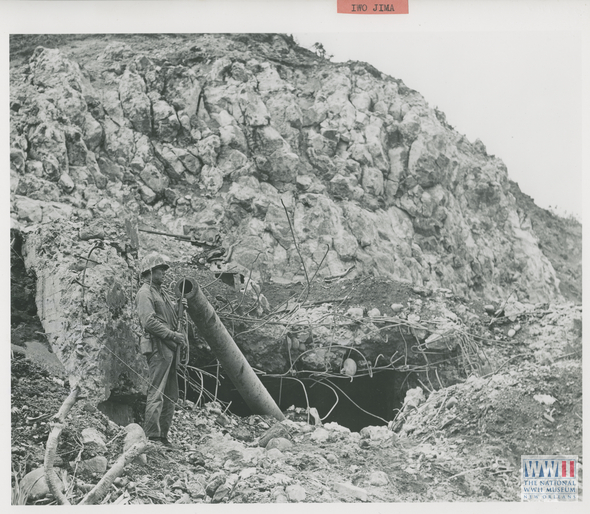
[226, 132]
[370, 173]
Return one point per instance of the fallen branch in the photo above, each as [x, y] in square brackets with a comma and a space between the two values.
[331, 278]
[100, 489]
[51, 447]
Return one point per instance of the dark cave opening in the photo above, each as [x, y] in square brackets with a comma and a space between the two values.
[354, 404]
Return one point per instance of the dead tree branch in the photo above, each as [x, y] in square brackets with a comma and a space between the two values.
[296, 245]
[100, 489]
[51, 447]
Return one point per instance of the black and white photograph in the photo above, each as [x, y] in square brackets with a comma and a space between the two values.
[288, 258]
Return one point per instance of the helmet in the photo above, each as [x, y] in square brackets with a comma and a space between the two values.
[153, 260]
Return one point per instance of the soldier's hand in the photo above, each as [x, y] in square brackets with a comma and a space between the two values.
[178, 338]
[184, 303]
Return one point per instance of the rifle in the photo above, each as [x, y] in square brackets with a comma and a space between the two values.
[188, 239]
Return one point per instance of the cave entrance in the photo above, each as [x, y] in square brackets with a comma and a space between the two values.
[353, 404]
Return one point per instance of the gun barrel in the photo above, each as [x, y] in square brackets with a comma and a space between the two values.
[227, 352]
[159, 233]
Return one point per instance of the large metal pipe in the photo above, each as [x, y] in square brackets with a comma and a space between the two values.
[227, 352]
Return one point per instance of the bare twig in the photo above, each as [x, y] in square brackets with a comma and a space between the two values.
[296, 245]
[321, 262]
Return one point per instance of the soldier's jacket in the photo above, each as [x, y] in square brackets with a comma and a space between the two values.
[158, 317]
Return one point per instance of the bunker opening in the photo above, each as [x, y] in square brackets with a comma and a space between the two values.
[355, 404]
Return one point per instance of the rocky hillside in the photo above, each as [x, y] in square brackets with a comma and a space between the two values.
[209, 132]
[395, 292]
[285, 168]
[560, 240]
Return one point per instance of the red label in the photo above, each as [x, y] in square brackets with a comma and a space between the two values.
[359, 7]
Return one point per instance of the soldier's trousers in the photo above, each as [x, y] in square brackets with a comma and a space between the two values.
[161, 396]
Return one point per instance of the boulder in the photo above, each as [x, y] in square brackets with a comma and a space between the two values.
[280, 443]
[147, 194]
[112, 105]
[355, 312]
[397, 167]
[93, 133]
[373, 181]
[285, 167]
[154, 179]
[92, 439]
[134, 101]
[182, 90]
[33, 167]
[275, 454]
[276, 431]
[352, 491]
[378, 478]
[34, 484]
[48, 145]
[295, 493]
[100, 180]
[111, 170]
[320, 435]
[346, 188]
[374, 433]
[211, 179]
[66, 183]
[345, 245]
[255, 112]
[208, 149]
[36, 211]
[37, 188]
[231, 136]
[233, 162]
[119, 142]
[76, 148]
[49, 68]
[414, 397]
[174, 159]
[134, 435]
[17, 160]
[165, 121]
[96, 465]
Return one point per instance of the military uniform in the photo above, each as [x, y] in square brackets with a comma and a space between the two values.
[158, 318]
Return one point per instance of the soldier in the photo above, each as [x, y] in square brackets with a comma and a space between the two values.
[160, 345]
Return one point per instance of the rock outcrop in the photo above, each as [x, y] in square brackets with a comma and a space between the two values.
[226, 133]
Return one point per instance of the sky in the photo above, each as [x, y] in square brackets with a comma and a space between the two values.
[519, 92]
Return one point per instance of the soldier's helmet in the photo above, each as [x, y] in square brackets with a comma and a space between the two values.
[153, 260]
